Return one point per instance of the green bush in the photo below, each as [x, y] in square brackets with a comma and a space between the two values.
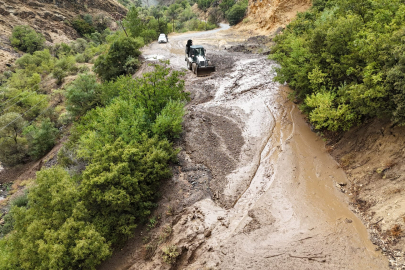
[237, 12]
[168, 122]
[83, 27]
[26, 39]
[344, 61]
[41, 138]
[112, 64]
[63, 67]
[12, 146]
[120, 183]
[52, 232]
[82, 95]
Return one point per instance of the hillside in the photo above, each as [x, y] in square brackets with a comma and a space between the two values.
[51, 18]
[267, 15]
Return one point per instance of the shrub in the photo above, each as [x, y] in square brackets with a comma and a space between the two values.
[170, 254]
[79, 45]
[121, 181]
[83, 27]
[67, 242]
[79, 58]
[26, 39]
[82, 95]
[63, 67]
[111, 65]
[168, 122]
[41, 139]
[12, 146]
[237, 12]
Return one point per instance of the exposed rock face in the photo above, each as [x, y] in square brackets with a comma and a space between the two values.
[270, 14]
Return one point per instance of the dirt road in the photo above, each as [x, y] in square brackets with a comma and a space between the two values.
[259, 189]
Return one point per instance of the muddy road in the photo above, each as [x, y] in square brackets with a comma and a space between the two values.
[255, 188]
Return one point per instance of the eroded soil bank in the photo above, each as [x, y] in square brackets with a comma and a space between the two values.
[255, 188]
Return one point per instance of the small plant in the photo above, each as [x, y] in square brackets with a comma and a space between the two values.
[170, 254]
[149, 250]
[170, 210]
[167, 232]
[20, 201]
[153, 221]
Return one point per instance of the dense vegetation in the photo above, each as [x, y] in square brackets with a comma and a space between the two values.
[72, 220]
[345, 61]
[234, 11]
[120, 147]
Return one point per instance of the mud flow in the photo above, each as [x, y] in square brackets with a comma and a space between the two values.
[262, 194]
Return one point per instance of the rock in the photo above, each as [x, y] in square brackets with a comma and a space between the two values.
[348, 220]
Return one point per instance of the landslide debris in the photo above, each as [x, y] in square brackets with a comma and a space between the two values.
[268, 15]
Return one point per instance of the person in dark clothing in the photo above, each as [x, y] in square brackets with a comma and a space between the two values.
[189, 43]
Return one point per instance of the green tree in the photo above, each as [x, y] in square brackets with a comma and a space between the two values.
[204, 5]
[237, 12]
[112, 64]
[26, 39]
[172, 12]
[41, 138]
[12, 145]
[82, 95]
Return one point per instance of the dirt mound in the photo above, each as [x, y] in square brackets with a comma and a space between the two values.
[257, 44]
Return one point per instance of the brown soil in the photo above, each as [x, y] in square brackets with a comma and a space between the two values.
[267, 15]
[373, 158]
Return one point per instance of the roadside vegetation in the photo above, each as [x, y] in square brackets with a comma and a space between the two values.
[345, 61]
[119, 149]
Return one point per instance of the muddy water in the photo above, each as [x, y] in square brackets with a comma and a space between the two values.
[274, 202]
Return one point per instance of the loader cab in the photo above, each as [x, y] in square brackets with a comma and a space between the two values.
[196, 50]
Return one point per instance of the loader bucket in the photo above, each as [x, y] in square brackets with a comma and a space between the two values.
[205, 71]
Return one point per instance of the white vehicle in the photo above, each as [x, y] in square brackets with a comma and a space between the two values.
[163, 38]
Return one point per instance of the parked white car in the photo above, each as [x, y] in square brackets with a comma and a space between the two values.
[163, 38]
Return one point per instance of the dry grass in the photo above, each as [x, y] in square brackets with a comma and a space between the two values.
[149, 250]
[389, 164]
[393, 191]
[170, 210]
[165, 235]
[396, 231]
[347, 160]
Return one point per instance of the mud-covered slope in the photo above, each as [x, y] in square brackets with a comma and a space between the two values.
[50, 17]
[268, 15]
[373, 158]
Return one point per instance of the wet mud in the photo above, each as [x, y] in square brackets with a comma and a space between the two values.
[255, 187]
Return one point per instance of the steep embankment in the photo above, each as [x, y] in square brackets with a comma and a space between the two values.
[51, 18]
[373, 158]
[267, 15]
